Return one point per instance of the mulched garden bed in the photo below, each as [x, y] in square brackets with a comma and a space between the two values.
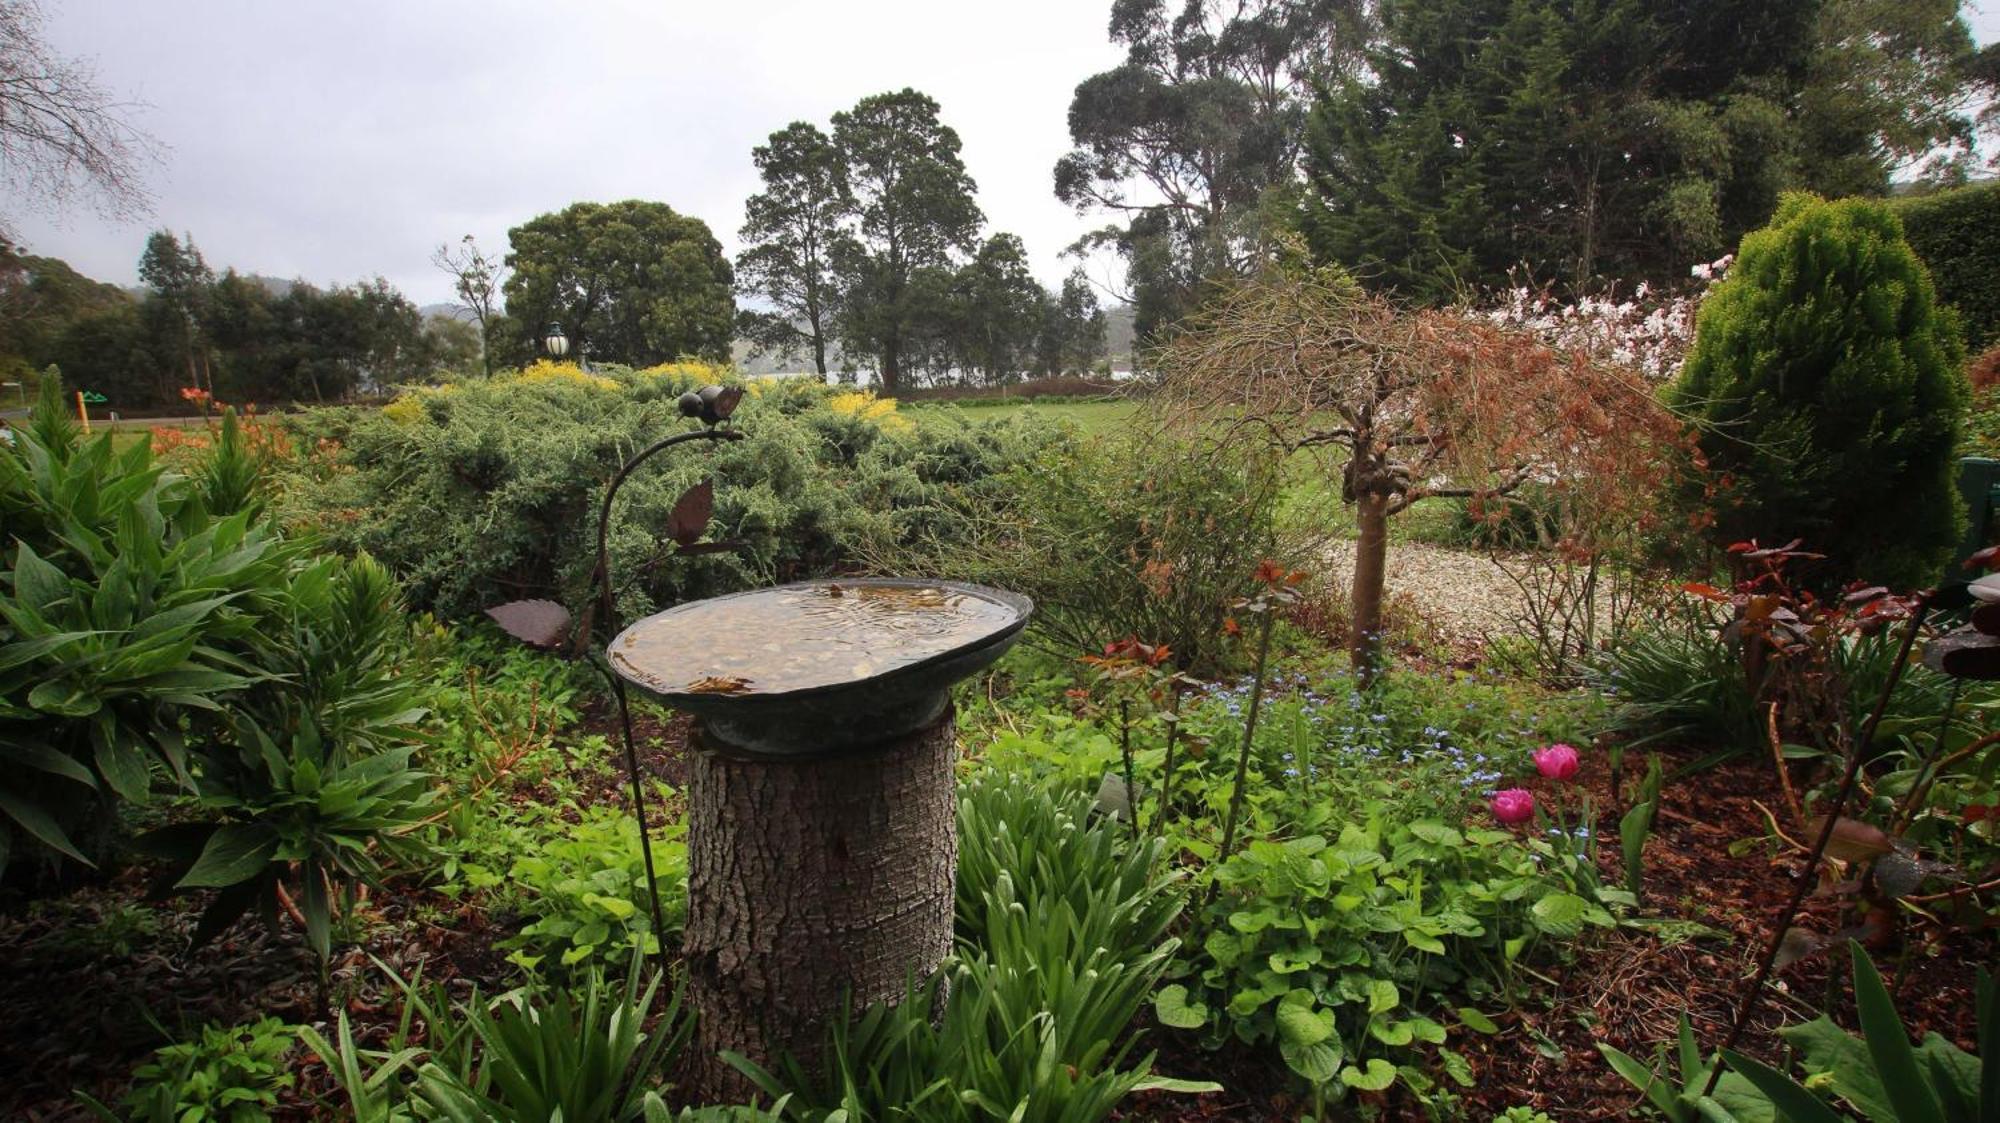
[74, 1008]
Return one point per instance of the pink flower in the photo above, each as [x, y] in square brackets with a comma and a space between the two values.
[1557, 762]
[1513, 805]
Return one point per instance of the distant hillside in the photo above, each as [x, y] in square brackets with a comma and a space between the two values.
[1118, 335]
[276, 286]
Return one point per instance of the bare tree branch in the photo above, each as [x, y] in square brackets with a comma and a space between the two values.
[62, 134]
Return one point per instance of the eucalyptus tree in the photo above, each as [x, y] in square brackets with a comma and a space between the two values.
[792, 232]
[914, 215]
[999, 311]
[1071, 339]
[179, 281]
[477, 280]
[1191, 140]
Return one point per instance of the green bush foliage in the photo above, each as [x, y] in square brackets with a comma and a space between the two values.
[1370, 915]
[582, 889]
[488, 491]
[229, 1074]
[1133, 536]
[1957, 234]
[1826, 382]
[160, 633]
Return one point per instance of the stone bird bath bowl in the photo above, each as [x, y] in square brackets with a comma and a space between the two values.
[821, 667]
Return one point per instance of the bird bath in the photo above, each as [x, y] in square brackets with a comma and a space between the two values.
[822, 667]
[822, 842]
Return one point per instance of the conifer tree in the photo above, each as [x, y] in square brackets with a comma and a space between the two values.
[1826, 381]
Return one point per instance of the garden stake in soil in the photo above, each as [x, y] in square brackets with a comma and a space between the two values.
[547, 625]
[1857, 756]
[607, 606]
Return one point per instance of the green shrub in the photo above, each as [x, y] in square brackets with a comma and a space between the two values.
[589, 1054]
[1525, 520]
[1982, 423]
[1957, 234]
[1354, 932]
[582, 889]
[231, 1074]
[1826, 382]
[488, 491]
[129, 609]
[159, 631]
[1346, 952]
[1132, 536]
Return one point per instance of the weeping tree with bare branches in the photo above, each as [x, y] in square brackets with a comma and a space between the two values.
[1411, 405]
[61, 132]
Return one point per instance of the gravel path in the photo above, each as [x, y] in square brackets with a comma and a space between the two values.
[1465, 593]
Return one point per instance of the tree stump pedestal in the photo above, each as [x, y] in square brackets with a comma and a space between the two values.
[815, 886]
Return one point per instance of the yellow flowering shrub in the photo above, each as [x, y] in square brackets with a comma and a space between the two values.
[545, 371]
[407, 409]
[690, 370]
[864, 405]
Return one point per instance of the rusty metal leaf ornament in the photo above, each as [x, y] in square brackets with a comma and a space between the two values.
[537, 623]
[724, 402]
[691, 514]
[1854, 840]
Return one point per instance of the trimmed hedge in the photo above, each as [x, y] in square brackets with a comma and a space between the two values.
[1957, 234]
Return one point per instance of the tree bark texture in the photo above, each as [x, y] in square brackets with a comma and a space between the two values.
[808, 883]
[1371, 556]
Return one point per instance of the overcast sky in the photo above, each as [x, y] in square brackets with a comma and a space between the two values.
[334, 141]
[337, 141]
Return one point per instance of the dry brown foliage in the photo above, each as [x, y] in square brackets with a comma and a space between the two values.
[1421, 403]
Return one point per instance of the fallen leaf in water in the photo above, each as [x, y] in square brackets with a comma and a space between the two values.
[719, 686]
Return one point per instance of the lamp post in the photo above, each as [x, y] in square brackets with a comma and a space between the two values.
[555, 342]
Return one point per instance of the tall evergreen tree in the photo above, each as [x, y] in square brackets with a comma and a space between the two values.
[915, 212]
[1596, 140]
[1071, 339]
[793, 231]
[1582, 139]
[180, 280]
[1186, 140]
[999, 311]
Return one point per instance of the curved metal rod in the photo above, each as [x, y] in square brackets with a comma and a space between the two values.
[1858, 756]
[607, 609]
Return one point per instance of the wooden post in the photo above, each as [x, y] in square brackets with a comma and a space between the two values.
[82, 413]
[811, 883]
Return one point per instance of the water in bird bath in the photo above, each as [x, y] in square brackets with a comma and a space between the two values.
[803, 637]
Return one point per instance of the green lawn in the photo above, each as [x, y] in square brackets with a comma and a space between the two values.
[1091, 417]
[1312, 499]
